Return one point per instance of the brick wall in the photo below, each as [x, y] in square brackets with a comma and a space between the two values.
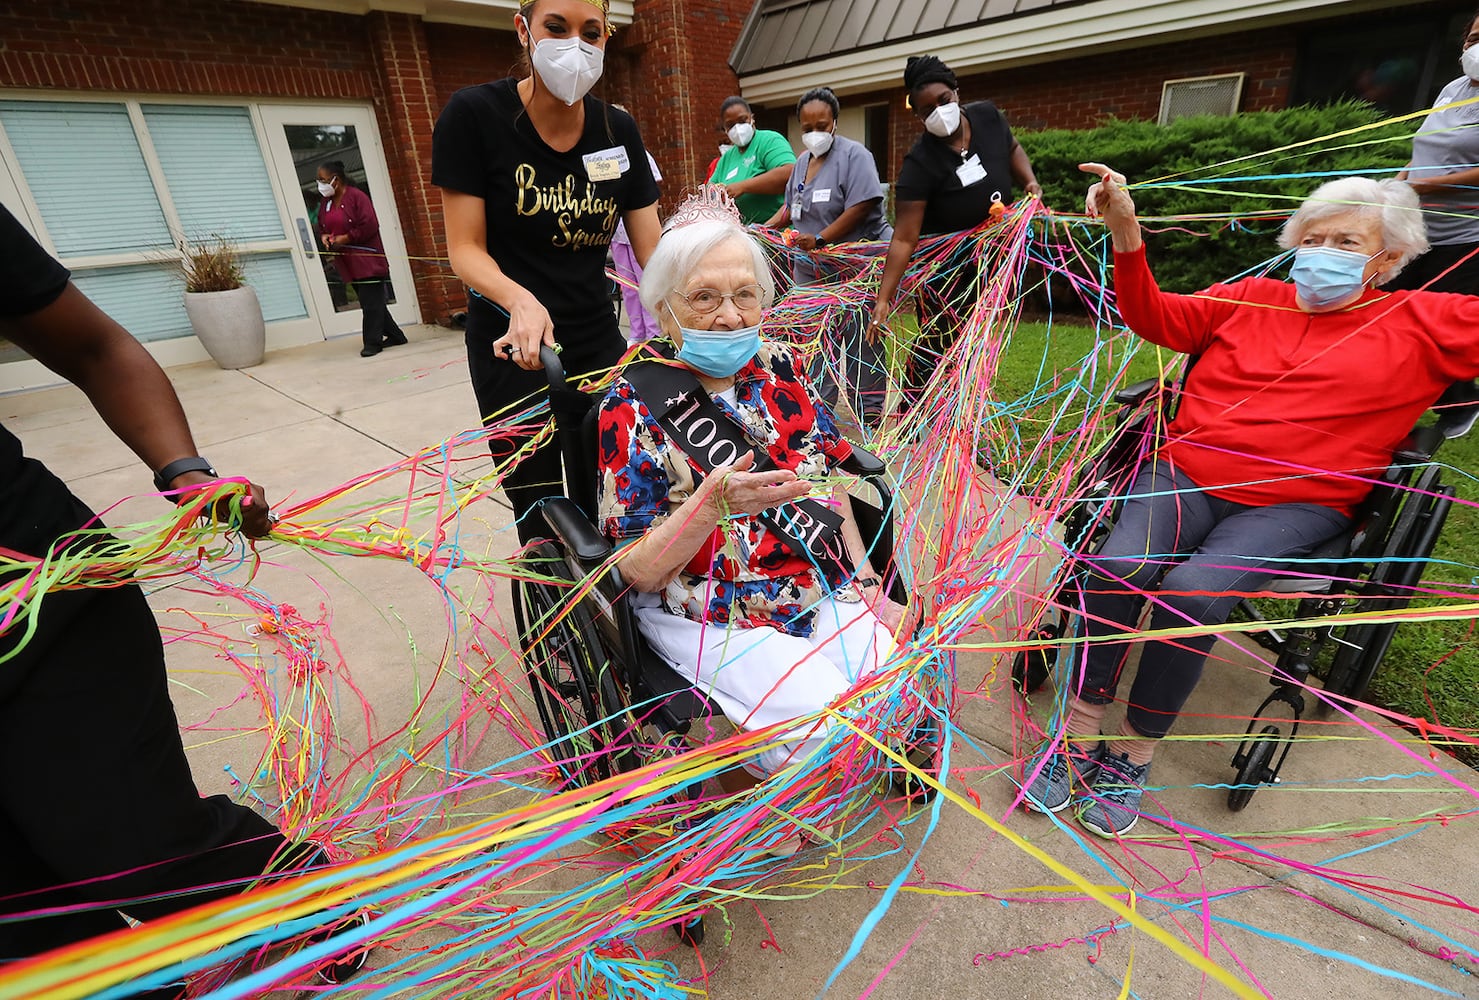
[462, 56]
[184, 47]
[1082, 93]
[457, 57]
[676, 59]
[408, 95]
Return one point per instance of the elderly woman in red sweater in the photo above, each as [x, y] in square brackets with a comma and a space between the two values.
[350, 231]
[1300, 395]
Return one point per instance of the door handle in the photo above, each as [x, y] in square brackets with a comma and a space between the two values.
[305, 234]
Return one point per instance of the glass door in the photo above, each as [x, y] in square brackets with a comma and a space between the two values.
[300, 139]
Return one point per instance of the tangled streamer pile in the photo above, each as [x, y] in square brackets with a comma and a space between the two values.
[483, 870]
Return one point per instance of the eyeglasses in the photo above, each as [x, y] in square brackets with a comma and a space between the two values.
[704, 301]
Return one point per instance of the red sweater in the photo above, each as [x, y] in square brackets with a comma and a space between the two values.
[1286, 406]
[364, 256]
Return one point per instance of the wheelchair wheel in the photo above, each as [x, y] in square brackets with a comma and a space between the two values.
[1391, 585]
[924, 757]
[1031, 668]
[1254, 771]
[691, 932]
[563, 662]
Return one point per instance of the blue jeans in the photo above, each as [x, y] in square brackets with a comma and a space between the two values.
[1196, 555]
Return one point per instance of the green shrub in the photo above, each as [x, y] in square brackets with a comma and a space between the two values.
[1193, 154]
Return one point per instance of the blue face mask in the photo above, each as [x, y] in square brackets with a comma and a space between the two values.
[719, 353]
[1325, 275]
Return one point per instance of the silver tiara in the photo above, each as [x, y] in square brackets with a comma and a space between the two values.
[710, 203]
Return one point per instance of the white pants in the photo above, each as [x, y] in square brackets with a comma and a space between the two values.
[761, 676]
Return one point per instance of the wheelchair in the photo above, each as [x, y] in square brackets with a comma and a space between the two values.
[606, 700]
[1372, 568]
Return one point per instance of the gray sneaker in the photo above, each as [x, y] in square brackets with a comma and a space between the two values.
[1065, 770]
[1111, 805]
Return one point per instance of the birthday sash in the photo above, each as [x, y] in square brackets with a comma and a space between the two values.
[710, 438]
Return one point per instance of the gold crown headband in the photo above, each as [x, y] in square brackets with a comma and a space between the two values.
[710, 203]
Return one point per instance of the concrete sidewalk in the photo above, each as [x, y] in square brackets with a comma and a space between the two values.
[979, 917]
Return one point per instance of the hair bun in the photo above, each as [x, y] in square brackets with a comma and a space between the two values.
[920, 70]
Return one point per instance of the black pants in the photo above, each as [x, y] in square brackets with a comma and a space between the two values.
[848, 365]
[1426, 272]
[943, 304]
[378, 324]
[503, 389]
[98, 811]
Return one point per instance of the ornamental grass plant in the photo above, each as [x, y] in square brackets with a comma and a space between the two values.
[211, 264]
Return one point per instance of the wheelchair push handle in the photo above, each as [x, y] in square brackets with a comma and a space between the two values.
[554, 370]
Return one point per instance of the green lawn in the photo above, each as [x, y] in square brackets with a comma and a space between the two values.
[1431, 671]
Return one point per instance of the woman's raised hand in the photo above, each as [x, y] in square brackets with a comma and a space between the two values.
[1108, 199]
[529, 326]
[737, 490]
[1106, 194]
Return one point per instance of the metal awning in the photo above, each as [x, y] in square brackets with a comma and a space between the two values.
[861, 46]
[786, 32]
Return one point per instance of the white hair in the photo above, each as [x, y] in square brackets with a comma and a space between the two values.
[1392, 201]
[679, 252]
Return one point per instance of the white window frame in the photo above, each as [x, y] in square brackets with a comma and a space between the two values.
[27, 374]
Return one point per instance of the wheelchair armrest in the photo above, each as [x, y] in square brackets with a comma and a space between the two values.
[1419, 446]
[575, 530]
[863, 463]
[1133, 395]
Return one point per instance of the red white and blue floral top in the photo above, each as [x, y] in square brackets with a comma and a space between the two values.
[744, 575]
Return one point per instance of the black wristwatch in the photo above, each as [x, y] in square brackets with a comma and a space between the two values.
[821, 242]
[179, 467]
[871, 581]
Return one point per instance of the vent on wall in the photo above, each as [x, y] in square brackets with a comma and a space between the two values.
[1200, 95]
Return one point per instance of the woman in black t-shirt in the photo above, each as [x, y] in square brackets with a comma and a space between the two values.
[965, 162]
[535, 174]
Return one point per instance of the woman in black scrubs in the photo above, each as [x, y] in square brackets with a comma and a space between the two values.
[966, 161]
[535, 174]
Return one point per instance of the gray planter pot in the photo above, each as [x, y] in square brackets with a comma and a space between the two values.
[230, 325]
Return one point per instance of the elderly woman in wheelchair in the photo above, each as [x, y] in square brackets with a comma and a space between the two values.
[719, 481]
[1300, 394]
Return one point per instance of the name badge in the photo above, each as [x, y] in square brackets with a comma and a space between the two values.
[821, 194]
[798, 208]
[971, 172]
[603, 170]
[732, 174]
[607, 164]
